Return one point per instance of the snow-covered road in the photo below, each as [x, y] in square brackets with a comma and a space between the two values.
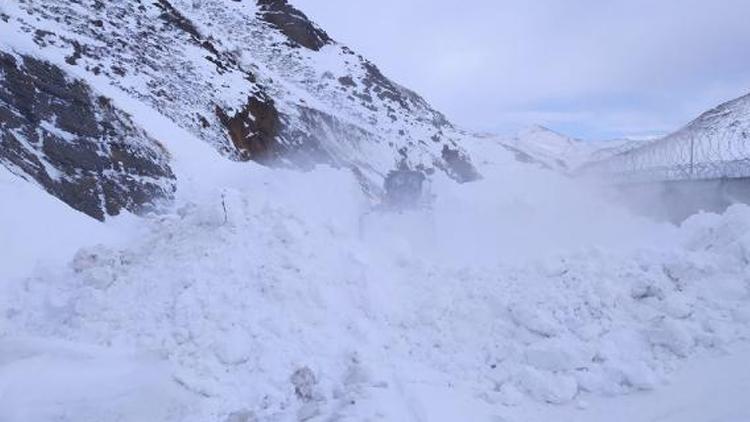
[712, 388]
[40, 381]
[707, 389]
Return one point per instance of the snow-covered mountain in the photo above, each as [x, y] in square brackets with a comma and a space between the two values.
[257, 80]
[550, 149]
[731, 116]
[553, 146]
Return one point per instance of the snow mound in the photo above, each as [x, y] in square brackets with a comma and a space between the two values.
[39, 229]
[277, 303]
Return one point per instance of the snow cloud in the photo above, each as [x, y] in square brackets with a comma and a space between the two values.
[590, 68]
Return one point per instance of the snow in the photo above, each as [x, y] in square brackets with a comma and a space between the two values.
[42, 380]
[503, 300]
[709, 388]
[276, 295]
[713, 146]
[163, 59]
[562, 152]
[38, 229]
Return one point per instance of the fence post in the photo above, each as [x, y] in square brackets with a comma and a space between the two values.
[692, 157]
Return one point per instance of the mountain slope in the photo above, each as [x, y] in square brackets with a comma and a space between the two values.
[553, 150]
[83, 150]
[259, 81]
[713, 146]
[552, 147]
[731, 116]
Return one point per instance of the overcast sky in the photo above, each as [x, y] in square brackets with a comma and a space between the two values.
[589, 68]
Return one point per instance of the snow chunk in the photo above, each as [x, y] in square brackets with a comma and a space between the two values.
[555, 388]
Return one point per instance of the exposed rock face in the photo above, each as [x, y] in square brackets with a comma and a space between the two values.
[75, 144]
[293, 23]
[253, 130]
[458, 165]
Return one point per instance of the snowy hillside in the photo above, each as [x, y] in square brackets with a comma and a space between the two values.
[731, 116]
[713, 146]
[721, 134]
[553, 150]
[258, 81]
[552, 147]
[38, 227]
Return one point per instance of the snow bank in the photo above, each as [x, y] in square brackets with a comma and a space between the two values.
[44, 380]
[710, 388]
[283, 296]
[279, 295]
[39, 229]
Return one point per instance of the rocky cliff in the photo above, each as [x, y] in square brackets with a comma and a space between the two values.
[75, 144]
[257, 80]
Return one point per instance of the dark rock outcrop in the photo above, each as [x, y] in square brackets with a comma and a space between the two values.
[75, 144]
[459, 165]
[254, 129]
[293, 23]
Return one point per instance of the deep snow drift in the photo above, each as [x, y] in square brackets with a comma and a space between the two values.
[275, 295]
[39, 227]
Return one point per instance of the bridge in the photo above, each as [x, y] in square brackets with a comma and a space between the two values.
[682, 174]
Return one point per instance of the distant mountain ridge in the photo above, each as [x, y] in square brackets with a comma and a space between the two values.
[559, 152]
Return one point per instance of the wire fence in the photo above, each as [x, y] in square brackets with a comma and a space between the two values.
[682, 156]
